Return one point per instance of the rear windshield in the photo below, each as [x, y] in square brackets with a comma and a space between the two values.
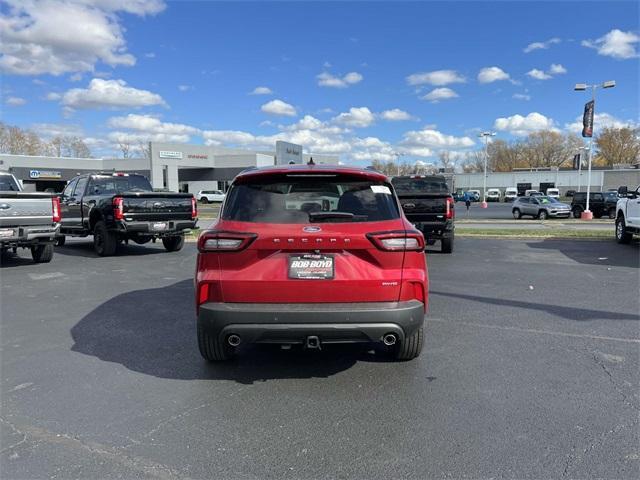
[112, 185]
[8, 184]
[296, 198]
[404, 186]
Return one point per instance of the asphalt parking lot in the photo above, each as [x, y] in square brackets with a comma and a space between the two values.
[530, 370]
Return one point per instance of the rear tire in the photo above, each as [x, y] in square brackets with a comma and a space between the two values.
[622, 236]
[411, 347]
[517, 214]
[104, 241]
[612, 213]
[204, 200]
[447, 245]
[60, 240]
[543, 215]
[42, 253]
[577, 211]
[211, 349]
[173, 244]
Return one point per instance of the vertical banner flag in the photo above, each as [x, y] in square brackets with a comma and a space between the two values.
[576, 161]
[587, 119]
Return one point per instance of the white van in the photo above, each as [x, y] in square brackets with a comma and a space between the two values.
[493, 195]
[510, 194]
[553, 192]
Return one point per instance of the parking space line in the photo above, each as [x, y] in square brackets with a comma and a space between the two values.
[539, 332]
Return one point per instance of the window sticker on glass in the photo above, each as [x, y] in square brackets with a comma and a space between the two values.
[381, 189]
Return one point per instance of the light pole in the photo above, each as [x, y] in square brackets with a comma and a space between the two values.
[587, 214]
[398, 155]
[580, 150]
[486, 136]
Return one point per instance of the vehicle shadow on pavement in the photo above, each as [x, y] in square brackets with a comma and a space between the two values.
[570, 313]
[85, 249]
[16, 260]
[607, 253]
[154, 332]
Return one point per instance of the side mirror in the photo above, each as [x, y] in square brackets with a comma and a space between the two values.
[623, 191]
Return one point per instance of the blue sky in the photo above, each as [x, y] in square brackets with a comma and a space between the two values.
[362, 80]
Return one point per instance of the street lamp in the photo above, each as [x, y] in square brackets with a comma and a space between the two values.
[580, 150]
[398, 155]
[579, 87]
[486, 136]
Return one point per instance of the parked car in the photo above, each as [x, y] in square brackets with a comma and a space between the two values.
[210, 196]
[459, 196]
[118, 207]
[541, 207]
[27, 219]
[510, 194]
[532, 193]
[553, 193]
[493, 195]
[569, 193]
[474, 195]
[627, 214]
[346, 267]
[427, 204]
[600, 203]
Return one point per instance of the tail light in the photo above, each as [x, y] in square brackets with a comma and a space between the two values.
[398, 241]
[450, 212]
[213, 241]
[55, 207]
[194, 208]
[118, 208]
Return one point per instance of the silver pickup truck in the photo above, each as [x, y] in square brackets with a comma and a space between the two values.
[27, 219]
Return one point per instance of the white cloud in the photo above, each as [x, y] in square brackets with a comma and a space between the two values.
[521, 126]
[616, 44]
[112, 94]
[436, 78]
[423, 143]
[438, 94]
[50, 130]
[15, 101]
[492, 74]
[150, 55]
[150, 124]
[358, 117]
[601, 120]
[55, 37]
[538, 74]
[541, 45]
[522, 96]
[53, 96]
[280, 108]
[185, 88]
[261, 91]
[396, 115]
[76, 77]
[325, 79]
[557, 69]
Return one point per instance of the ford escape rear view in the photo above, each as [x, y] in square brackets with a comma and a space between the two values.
[310, 255]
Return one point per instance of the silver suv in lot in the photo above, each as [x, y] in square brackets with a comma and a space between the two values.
[541, 207]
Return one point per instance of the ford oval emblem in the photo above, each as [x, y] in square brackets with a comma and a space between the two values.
[311, 229]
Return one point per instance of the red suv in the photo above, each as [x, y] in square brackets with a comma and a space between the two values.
[311, 255]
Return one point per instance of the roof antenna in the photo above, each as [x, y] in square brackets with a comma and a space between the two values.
[311, 162]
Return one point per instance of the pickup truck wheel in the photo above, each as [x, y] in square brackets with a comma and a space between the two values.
[622, 236]
[576, 212]
[211, 349]
[60, 240]
[543, 215]
[42, 253]
[173, 244]
[446, 245]
[612, 213]
[104, 241]
[411, 347]
[517, 214]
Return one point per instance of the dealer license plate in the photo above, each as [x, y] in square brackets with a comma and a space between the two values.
[311, 267]
[159, 226]
[6, 232]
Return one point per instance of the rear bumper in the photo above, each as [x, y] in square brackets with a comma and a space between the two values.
[435, 230]
[293, 323]
[30, 234]
[173, 227]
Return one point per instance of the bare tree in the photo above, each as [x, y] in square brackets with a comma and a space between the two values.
[56, 146]
[144, 149]
[78, 148]
[619, 145]
[125, 147]
[447, 160]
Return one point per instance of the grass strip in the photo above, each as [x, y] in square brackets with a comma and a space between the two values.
[526, 233]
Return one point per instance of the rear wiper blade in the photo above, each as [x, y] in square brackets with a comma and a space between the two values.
[329, 215]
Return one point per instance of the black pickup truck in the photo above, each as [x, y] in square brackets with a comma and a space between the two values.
[118, 207]
[428, 204]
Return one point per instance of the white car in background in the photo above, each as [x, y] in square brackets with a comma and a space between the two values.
[493, 195]
[210, 196]
[510, 194]
[553, 193]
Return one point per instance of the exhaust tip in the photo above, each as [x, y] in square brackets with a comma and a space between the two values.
[389, 339]
[234, 340]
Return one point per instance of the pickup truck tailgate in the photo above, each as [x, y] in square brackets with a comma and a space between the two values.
[19, 208]
[157, 206]
[424, 208]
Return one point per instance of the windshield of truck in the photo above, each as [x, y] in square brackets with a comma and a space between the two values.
[303, 199]
[112, 185]
[8, 184]
[406, 186]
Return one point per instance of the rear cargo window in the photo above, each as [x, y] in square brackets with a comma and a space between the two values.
[112, 185]
[310, 199]
[404, 186]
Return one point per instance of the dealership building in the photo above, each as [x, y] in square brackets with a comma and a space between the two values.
[172, 166]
